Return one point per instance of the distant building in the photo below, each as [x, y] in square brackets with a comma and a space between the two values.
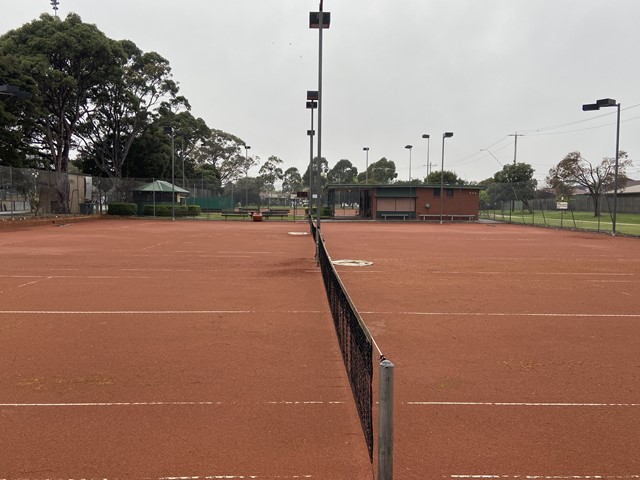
[410, 202]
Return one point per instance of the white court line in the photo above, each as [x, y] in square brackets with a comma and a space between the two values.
[166, 404]
[313, 312]
[35, 281]
[197, 477]
[524, 404]
[124, 312]
[512, 314]
[548, 477]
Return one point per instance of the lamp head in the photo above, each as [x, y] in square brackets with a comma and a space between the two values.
[425, 135]
[606, 102]
[365, 149]
[447, 135]
[408, 146]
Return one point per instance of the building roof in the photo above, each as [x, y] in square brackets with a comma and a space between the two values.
[160, 186]
[370, 186]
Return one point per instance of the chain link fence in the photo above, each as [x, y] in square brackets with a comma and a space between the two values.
[517, 203]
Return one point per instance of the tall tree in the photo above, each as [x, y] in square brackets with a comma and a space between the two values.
[450, 178]
[514, 182]
[324, 168]
[343, 172]
[382, 172]
[291, 180]
[223, 156]
[122, 107]
[575, 171]
[67, 59]
[270, 172]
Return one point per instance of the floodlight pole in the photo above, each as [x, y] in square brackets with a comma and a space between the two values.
[246, 175]
[170, 131]
[426, 135]
[610, 102]
[444, 136]
[366, 166]
[312, 104]
[409, 147]
[323, 21]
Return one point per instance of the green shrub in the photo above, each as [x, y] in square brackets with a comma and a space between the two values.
[165, 211]
[122, 209]
[194, 210]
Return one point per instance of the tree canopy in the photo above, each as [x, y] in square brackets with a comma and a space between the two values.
[575, 171]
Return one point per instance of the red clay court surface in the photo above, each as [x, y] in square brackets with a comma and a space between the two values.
[134, 349]
[153, 350]
[516, 349]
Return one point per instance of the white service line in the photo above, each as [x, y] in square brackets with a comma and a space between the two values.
[511, 314]
[524, 404]
[547, 477]
[164, 404]
[196, 477]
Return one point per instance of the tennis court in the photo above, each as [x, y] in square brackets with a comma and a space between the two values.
[155, 350]
[515, 348]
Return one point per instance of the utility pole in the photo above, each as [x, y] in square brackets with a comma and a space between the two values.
[515, 147]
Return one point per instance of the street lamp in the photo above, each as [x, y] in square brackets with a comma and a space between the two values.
[170, 131]
[246, 175]
[54, 4]
[426, 135]
[444, 135]
[409, 147]
[366, 165]
[320, 20]
[610, 102]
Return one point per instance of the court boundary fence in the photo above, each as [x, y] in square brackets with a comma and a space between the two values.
[356, 345]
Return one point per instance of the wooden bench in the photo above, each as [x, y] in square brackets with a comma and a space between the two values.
[235, 214]
[275, 213]
[436, 216]
[394, 215]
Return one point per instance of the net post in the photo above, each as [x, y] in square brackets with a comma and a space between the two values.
[385, 421]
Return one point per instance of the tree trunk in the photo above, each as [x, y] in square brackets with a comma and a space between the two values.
[596, 205]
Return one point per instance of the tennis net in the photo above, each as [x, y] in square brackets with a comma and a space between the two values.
[356, 343]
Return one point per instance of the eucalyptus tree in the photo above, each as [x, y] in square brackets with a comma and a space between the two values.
[124, 105]
[291, 180]
[343, 172]
[66, 60]
[270, 172]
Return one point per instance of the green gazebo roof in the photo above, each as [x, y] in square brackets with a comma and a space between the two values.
[161, 186]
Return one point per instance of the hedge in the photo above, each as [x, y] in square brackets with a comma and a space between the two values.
[122, 209]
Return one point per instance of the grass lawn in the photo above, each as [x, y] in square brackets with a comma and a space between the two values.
[626, 223]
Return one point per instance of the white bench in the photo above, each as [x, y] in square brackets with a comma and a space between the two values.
[447, 217]
[398, 215]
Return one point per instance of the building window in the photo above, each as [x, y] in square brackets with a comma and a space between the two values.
[436, 192]
[449, 192]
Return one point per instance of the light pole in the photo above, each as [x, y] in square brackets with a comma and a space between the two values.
[170, 131]
[246, 175]
[444, 135]
[426, 135]
[312, 104]
[610, 102]
[54, 4]
[366, 165]
[320, 20]
[409, 147]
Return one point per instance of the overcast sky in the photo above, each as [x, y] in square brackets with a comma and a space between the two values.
[394, 70]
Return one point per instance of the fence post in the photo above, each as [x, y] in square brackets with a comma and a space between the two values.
[385, 422]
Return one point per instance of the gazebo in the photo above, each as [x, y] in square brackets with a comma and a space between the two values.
[160, 192]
